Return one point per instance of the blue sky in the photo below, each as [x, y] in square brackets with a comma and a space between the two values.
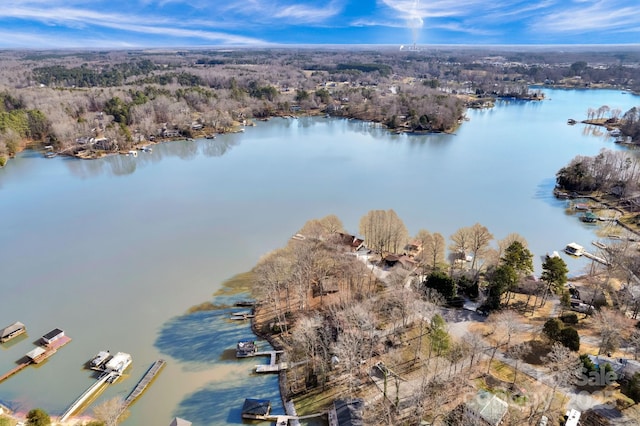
[191, 23]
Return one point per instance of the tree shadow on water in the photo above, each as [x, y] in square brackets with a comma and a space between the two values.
[202, 337]
[219, 404]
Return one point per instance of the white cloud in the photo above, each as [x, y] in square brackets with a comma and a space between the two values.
[596, 16]
[308, 14]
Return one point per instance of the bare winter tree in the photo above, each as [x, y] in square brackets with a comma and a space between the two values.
[384, 231]
[563, 367]
[480, 237]
[112, 412]
[504, 325]
[273, 280]
[610, 323]
[434, 250]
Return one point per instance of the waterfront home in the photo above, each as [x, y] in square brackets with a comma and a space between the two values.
[256, 409]
[352, 242]
[11, 331]
[52, 336]
[413, 248]
[392, 260]
[180, 422]
[347, 412]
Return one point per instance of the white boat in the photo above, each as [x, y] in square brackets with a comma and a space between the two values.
[99, 359]
[118, 363]
[574, 249]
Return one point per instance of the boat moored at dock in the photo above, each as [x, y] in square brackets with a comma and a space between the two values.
[246, 348]
[99, 360]
[118, 363]
[574, 249]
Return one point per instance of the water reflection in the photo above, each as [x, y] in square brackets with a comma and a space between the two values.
[221, 403]
[591, 130]
[206, 341]
[201, 337]
[121, 165]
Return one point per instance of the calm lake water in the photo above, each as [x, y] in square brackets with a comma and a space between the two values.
[114, 251]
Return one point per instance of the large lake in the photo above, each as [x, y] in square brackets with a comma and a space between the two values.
[114, 251]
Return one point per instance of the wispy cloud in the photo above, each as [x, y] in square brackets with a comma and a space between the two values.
[193, 22]
[590, 16]
[308, 14]
[84, 18]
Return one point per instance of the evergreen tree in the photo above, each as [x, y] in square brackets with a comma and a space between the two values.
[38, 417]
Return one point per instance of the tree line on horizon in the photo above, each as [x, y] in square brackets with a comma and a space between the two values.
[60, 98]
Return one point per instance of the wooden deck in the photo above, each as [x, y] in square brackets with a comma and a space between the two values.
[15, 370]
[274, 366]
[48, 351]
[142, 385]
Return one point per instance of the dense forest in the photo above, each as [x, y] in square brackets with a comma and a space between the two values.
[94, 102]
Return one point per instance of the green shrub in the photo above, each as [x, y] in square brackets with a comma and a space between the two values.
[38, 417]
[570, 318]
[588, 365]
[632, 389]
[552, 328]
[570, 338]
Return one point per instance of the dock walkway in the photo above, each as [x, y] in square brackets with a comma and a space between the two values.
[13, 371]
[283, 419]
[144, 382]
[86, 395]
[594, 257]
[274, 366]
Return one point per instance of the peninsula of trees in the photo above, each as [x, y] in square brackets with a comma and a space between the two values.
[379, 317]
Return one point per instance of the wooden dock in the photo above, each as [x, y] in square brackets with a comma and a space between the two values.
[15, 370]
[274, 366]
[91, 390]
[284, 419]
[594, 257]
[144, 382]
[43, 352]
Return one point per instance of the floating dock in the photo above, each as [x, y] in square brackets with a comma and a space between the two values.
[142, 385]
[274, 366]
[12, 331]
[37, 355]
[112, 371]
[242, 315]
[577, 250]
